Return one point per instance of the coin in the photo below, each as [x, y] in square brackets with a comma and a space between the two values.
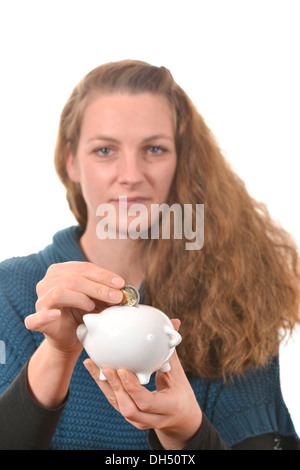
[132, 296]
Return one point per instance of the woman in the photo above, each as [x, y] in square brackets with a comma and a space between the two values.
[129, 130]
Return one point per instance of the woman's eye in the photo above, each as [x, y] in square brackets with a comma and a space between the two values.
[156, 150]
[103, 151]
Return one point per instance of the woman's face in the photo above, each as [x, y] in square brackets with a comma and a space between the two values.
[126, 148]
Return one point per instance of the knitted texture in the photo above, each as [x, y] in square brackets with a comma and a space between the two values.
[248, 406]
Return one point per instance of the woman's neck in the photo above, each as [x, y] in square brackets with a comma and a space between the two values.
[118, 256]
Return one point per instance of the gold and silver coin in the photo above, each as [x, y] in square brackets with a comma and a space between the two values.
[132, 296]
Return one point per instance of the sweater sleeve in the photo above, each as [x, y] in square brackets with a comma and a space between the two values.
[207, 438]
[25, 425]
[247, 412]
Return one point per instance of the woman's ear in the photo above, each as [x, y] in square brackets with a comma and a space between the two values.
[71, 165]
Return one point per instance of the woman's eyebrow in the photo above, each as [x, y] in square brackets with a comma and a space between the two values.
[147, 139]
[103, 137]
[158, 136]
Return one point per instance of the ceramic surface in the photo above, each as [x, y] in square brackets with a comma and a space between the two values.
[140, 339]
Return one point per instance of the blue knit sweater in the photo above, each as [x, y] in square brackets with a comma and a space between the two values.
[250, 406]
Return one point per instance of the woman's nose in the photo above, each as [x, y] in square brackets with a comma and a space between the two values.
[130, 171]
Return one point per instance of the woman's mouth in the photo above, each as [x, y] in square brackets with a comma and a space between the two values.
[127, 201]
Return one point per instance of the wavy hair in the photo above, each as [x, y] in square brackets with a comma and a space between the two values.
[238, 296]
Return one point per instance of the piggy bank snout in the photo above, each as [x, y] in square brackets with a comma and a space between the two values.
[174, 337]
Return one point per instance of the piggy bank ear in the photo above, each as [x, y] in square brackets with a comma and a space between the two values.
[81, 332]
[90, 320]
[174, 337]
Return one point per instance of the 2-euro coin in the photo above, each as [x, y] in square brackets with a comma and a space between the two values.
[131, 296]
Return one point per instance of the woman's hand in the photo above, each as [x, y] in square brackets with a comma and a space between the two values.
[67, 292]
[171, 410]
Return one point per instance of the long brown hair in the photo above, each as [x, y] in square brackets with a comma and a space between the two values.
[239, 294]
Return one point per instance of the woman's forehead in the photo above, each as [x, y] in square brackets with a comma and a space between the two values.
[108, 113]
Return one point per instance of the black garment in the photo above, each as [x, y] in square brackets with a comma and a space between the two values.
[27, 425]
[207, 438]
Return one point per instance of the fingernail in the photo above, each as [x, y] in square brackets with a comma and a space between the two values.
[54, 314]
[88, 367]
[115, 295]
[122, 374]
[91, 305]
[117, 281]
[109, 376]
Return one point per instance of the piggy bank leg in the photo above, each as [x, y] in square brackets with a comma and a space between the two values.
[102, 376]
[165, 368]
[143, 378]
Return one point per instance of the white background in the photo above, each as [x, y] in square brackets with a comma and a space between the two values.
[237, 59]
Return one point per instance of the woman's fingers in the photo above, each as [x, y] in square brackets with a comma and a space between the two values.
[58, 297]
[158, 403]
[63, 290]
[40, 320]
[84, 299]
[138, 405]
[172, 409]
[102, 384]
[124, 384]
[176, 323]
[139, 414]
[88, 270]
[112, 389]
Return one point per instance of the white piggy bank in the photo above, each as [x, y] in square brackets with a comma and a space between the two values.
[141, 339]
